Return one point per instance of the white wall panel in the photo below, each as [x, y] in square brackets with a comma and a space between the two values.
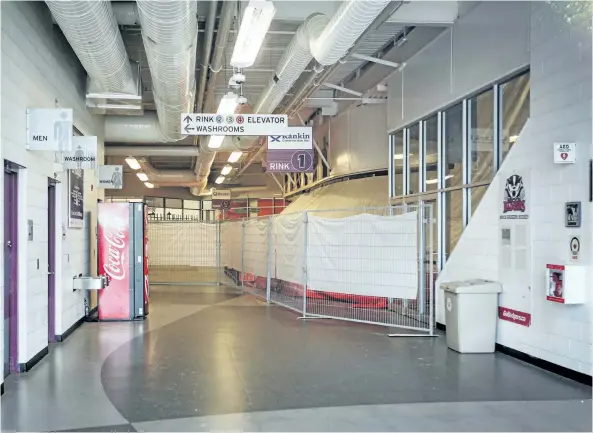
[358, 140]
[40, 70]
[560, 111]
[488, 43]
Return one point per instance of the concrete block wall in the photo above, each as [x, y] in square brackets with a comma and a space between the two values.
[560, 60]
[40, 70]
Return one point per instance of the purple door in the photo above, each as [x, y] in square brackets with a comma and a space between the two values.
[10, 272]
[51, 261]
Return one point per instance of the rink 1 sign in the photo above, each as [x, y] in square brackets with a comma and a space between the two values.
[111, 177]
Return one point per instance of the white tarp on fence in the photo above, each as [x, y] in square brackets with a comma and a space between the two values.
[231, 234]
[182, 243]
[364, 255]
[288, 238]
[255, 247]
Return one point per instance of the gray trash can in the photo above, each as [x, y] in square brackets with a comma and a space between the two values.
[471, 314]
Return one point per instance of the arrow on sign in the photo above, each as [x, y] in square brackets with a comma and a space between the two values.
[187, 119]
[188, 128]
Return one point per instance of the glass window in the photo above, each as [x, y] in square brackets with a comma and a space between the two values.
[514, 97]
[414, 158]
[207, 205]
[431, 152]
[453, 146]
[398, 163]
[191, 204]
[476, 196]
[191, 214]
[481, 142]
[155, 201]
[453, 220]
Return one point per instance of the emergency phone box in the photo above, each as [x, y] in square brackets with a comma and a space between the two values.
[565, 284]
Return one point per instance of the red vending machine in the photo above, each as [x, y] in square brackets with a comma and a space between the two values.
[123, 246]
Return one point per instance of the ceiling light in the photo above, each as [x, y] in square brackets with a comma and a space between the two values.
[148, 185]
[219, 179]
[235, 156]
[254, 26]
[400, 156]
[133, 163]
[431, 181]
[142, 176]
[228, 105]
[226, 170]
[215, 141]
[513, 138]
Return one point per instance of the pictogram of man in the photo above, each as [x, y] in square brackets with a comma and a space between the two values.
[62, 131]
[79, 157]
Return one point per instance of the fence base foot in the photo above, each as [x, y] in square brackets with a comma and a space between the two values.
[412, 335]
[313, 317]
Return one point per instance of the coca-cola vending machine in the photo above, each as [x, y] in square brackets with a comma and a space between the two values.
[123, 248]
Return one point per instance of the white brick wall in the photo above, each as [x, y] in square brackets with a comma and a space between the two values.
[38, 70]
[560, 58]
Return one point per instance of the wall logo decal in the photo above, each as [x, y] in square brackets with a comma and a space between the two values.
[514, 200]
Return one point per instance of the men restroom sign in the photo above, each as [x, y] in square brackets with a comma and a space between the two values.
[49, 129]
[291, 152]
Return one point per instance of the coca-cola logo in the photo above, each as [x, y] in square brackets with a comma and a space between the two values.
[115, 260]
[514, 316]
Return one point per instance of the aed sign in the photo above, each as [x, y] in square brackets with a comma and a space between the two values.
[575, 249]
[233, 124]
[565, 153]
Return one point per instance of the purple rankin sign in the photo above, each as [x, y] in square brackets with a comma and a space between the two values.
[291, 152]
[290, 161]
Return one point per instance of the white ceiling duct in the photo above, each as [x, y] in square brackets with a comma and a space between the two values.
[319, 38]
[170, 35]
[133, 129]
[91, 30]
[165, 150]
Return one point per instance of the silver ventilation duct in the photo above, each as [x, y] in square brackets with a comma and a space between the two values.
[170, 35]
[91, 29]
[326, 41]
[154, 150]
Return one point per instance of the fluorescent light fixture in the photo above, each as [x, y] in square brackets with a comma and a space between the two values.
[513, 138]
[400, 156]
[133, 163]
[432, 181]
[228, 105]
[219, 179]
[148, 185]
[226, 170]
[254, 26]
[142, 176]
[235, 156]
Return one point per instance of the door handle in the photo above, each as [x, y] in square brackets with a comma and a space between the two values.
[9, 244]
[50, 273]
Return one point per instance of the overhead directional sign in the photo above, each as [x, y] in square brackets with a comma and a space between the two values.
[49, 129]
[221, 198]
[233, 124]
[291, 152]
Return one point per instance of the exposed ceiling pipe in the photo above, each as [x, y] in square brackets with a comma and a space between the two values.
[206, 52]
[347, 29]
[166, 150]
[170, 177]
[133, 129]
[206, 158]
[126, 13]
[170, 34]
[319, 76]
[91, 30]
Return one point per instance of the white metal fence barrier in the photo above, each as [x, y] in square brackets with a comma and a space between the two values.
[371, 265]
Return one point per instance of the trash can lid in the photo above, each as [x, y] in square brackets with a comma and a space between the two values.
[472, 286]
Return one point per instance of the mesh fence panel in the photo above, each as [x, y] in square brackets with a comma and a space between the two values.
[255, 255]
[183, 252]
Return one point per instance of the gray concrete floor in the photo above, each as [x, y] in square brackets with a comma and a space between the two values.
[210, 358]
